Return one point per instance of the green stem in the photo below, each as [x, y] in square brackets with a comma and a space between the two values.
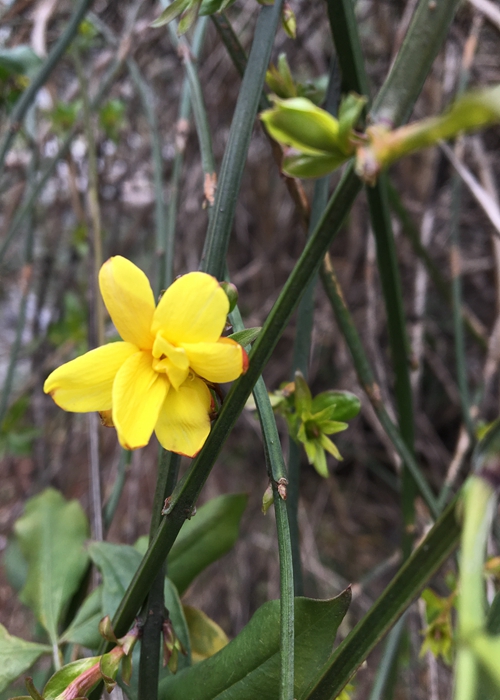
[233, 163]
[443, 287]
[479, 503]
[389, 658]
[348, 45]
[114, 498]
[148, 103]
[393, 296]
[424, 38]
[300, 361]
[26, 99]
[154, 613]
[440, 542]
[367, 381]
[166, 274]
[277, 475]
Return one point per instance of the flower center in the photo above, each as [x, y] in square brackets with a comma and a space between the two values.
[170, 360]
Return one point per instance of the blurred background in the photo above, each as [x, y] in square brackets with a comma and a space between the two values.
[350, 524]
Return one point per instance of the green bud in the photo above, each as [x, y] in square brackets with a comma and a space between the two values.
[289, 21]
[297, 122]
[231, 293]
[279, 79]
[267, 499]
[350, 110]
[344, 405]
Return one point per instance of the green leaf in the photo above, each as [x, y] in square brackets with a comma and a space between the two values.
[16, 656]
[117, 564]
[170, 13]
[247, 336]
[305, 165]
[493, 621]
[16, 567]
[205, 538]
[84, 629]
[20, 60]
[188, 17]
[248, 667]
[209, 7]
[297, 122]
[347, 405]
[66, 675]
[302, 394]
[51, 535]
[205, 635]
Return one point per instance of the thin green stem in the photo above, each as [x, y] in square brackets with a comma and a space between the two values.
[277, 472]
[424, 38]
[389, 657]
[154, 613]
[114, 498]
[393, 296]
[439, 543]
[148, 103]
[277, 475]
[367, 380]
[442, 285]
[166, 272]
[300, 361]
[354, 78]
[28, 96]
[233, 163]
[197, 100]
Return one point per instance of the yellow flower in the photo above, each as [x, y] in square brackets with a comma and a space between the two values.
[154, 379]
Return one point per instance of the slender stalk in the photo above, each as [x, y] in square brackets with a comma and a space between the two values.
[166, 276]
[439, 543]
[367, 380]
[233, 163]
[278, 478]
[26, 99]
[148, 103]
[388, 659]
[300, 361]
[443, 287]
[423, 40]
[197, 100]
[345, 33]
[393, 296]
[276, 468]
[114, 498]
[154, 613]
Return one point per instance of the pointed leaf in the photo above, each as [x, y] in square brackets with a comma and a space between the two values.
[303, 398]
[247, 336]
[51, 535]
[17, 656]
[84, 629]
[170, 13]
[118, 564]
[67, 674]
[304, 165]
[206, 637]
[248, 667]
[346, 405]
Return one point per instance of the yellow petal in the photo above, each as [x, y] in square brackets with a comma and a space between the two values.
[217, 362]
[184, 422]
[129, 299]
[85, 384]
[193, 309]
[138, 395]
